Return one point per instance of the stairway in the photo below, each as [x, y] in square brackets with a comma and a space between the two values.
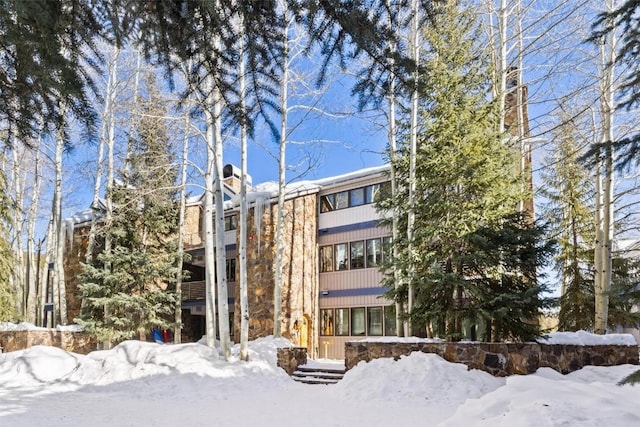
[319, 373]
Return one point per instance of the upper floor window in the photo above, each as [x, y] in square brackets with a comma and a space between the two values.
[350, 198]
[231, 269]
[326, 258]
[355, 255]
[230, 222]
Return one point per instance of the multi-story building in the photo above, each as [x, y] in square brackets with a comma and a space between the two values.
[331, 284]
[332, 289]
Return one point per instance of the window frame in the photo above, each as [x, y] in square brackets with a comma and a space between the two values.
[354, 317]
[337, 263]
[357, 262]
[326, 264]
[339, 321]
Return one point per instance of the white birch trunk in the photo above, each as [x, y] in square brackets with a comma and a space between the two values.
[502, 64]
[284, 86]
[32, 262]
[221, 255]
[415, 56]
[59, 232]
[177, 332]
[607, 54]
[106, 132]
[209, 246]
[392, 135]
[244, 296]
[18, 214]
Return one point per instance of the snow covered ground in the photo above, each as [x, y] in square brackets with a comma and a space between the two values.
[146, 384]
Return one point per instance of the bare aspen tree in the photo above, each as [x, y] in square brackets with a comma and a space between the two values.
[209, 242]
[392, 135]
[414, 46]
[177, 332]
[107, 133]
[244, 297]
[284, 87]
[604, 206]
[32, 260]
[60, 294]
[18, 201]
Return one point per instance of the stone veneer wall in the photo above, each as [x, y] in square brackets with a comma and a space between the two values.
[299, 271]
[74, 255]
[76, 342]
[500, 359]
[291, 357]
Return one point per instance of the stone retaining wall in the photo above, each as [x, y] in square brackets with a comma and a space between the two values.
[291, 357]
[500, 359]
[76, 342]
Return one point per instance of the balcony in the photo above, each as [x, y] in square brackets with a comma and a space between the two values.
[193, 290]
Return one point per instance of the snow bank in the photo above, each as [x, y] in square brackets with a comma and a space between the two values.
[419, 377]
[587, 338]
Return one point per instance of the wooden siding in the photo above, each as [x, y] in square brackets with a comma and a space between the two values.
[340, 217]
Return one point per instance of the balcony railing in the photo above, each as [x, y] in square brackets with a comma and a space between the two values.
[193, 290]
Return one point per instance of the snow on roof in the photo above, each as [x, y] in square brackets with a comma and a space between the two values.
[361, 173]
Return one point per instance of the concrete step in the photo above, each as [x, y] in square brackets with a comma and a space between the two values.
[318, 375]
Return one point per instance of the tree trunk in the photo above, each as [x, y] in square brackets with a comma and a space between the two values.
[244, 296]
[209, 246]
[415, 56]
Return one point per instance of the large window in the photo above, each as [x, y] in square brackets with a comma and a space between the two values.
[374, 320]
[230, 222]
[326, 322]
[357, 321]
[342, 200]
[327, 203]
[350, 198]
[354, 255]
[342, 321]
[326, 258]
[356, 197]
[231, 269]
[374, 252]
[342, 257]
[357, 255]
[390, 320]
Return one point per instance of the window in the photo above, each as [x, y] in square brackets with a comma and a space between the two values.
[387, 250]
[326, 319]
[374, 252]
[342, 259]
[342, 321]
[374, 320]
[390, 320]
[356, 197]
[370, 193]
[327, 203]
[230, 222]
[231, 270]
[357, 255]
[326, 258]
[342, 200]
[357, 321]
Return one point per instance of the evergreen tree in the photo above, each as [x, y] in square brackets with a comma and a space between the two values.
[569, 212]
[131, 290]
[474, 258]
[8, 303]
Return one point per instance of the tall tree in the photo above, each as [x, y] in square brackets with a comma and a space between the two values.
[8, 302]
[130, 290]
[466, 196]
[568, 187]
